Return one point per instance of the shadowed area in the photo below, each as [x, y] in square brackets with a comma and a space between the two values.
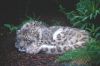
[9, 56]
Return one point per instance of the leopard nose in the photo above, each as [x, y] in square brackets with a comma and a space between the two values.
[22, 49]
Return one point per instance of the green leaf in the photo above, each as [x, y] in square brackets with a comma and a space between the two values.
[11, 27]
[85, 18]
[97, 12]
[97, 35]
[7, 25]
[84, 26]
[89, 29]
[75, 17]
[97, 29]
[91, 15]
[76, 23]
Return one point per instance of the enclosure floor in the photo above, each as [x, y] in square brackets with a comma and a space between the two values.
[9, 56]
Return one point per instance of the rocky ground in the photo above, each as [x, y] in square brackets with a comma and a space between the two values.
[9, 56]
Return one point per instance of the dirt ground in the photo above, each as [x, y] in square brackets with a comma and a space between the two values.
[9, 56]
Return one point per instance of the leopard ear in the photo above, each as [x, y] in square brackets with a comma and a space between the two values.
[39, 23]
[25, 25]
[18, 32]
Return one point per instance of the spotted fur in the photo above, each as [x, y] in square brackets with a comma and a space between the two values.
[34, 37]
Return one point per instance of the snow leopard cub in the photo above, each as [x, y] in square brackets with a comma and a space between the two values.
[34, 37]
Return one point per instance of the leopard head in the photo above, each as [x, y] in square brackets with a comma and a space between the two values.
[25, 38]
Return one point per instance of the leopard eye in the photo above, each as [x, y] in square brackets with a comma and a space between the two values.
[29, 42]
[18, 39]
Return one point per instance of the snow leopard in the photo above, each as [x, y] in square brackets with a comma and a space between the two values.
[34, 37]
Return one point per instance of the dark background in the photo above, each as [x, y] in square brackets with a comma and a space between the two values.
[14, 11]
